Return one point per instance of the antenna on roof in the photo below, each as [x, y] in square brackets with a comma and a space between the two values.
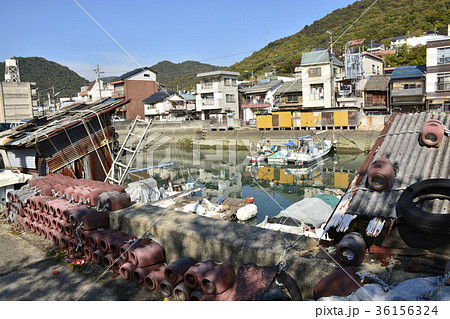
[97, 70]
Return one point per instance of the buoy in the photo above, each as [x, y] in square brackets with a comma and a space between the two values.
[250, 199]
[247, 212]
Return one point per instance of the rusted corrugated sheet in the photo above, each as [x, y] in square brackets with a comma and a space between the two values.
[399, 143]
[79, 149]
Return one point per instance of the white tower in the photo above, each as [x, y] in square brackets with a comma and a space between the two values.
[12, 71]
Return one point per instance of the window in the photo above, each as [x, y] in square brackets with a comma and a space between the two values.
[292, 98]
[410, 86]
[119, 90]
[378, 69]
[316, 92]
[233, 82]
[230, 98]
[315, 72]
[146, 75]
[208, 99]
[443, 55]
[373, 68]
[227, 82]
[443, 82]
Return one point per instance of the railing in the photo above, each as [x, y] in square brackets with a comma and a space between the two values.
[407, 92]
[255, 101]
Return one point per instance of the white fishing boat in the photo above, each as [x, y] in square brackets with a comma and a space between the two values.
[263, 154]
[306, 151]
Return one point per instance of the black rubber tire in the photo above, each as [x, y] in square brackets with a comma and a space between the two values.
[291, 286]
[418, 218]
[115, 136]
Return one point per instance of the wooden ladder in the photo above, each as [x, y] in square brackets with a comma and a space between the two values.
[119, 171]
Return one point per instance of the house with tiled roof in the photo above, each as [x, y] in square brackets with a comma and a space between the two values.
[169, 106]
[135, 85]
[258, 99]
[376, 98]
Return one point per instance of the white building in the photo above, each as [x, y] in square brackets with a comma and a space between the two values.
[438, 76]
[97, 90]
[217, 96]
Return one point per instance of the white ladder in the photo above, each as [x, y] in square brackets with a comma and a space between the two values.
[120, 169]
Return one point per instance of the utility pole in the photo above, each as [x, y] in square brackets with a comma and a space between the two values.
[332, 69]
[97, 70]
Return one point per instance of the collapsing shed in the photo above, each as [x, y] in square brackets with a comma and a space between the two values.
[74, 141]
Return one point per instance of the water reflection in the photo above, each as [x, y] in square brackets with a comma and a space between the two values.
[273, 188]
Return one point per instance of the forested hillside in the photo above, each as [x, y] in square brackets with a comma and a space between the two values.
[181, 75]
[386, 19]
[47, 74]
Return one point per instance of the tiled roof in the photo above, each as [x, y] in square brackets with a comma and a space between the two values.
[263, 87]
[157, 97]
[412, 163]
[409, 71]
[356, 42]
[289, 87]
[377, 83]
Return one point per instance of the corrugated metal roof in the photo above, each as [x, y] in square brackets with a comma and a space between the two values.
[216, 73]
[41, 128]
[408, 71]
[377, 83]
[414, 163]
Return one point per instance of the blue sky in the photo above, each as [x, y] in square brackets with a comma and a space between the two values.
[214, 32]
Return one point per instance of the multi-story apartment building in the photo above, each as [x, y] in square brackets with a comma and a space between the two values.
[438, 75]
[217, 96]
[318, 84]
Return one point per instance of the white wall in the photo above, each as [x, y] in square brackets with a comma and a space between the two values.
[140, 76]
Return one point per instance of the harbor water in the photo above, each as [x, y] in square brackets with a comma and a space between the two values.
[228, 172]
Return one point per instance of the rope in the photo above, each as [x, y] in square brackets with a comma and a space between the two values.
[282, 264]
[430, 295]
[379, 281]
[77, 233]
[93, 144]
[73, 146]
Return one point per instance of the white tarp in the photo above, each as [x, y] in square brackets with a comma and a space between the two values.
[8, 177]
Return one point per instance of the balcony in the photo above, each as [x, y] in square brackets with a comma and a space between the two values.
[407, 92]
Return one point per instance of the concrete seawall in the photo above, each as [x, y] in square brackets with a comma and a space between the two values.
[182, 234]
[347, 140]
